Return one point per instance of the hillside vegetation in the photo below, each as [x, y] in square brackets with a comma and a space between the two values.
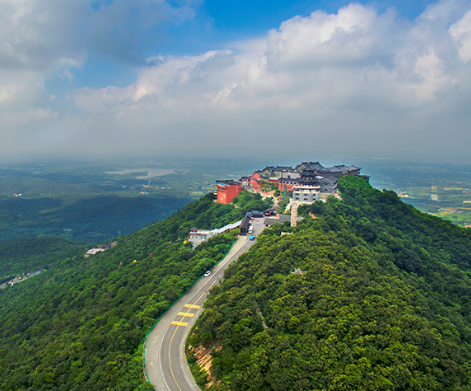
[381, 302]
[27, 255]
[87, 217]
[81, 324]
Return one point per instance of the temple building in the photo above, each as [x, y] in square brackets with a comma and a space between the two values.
[305, 194]
[306, 175]
[227, 190]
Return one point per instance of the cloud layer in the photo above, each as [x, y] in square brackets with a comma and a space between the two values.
[354, 81]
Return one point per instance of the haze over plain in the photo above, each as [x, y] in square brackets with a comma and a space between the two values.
[117, 78]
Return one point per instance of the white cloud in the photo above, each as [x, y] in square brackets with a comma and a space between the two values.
[38, 34]
[42, 39]
[322, 39]
[355, 79]
[461, 33]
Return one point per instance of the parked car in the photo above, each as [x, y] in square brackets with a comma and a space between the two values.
[208, 273]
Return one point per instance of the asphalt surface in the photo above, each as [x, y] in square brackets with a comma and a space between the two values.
[165, 359]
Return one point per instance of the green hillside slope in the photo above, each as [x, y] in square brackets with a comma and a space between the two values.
[85, 217]
[27, 255]
[81, 324]
[381, 302]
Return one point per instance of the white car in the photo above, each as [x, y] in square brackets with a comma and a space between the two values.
[207, 274]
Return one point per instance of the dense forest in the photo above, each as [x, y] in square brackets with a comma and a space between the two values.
[380, 300]
[27, 255]
[81, 324]
[84, 218]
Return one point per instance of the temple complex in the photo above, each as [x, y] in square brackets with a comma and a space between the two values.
[306, 183]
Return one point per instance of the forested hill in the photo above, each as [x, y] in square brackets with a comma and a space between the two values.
[80, 325]
[26, 255]
[381, 301]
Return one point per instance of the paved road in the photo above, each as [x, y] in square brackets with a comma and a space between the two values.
[165, 362]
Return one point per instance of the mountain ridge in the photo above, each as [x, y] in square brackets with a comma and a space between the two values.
[382, 302]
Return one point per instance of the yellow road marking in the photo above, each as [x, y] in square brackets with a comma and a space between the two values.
[179, 323]
[192, 306]
[198, 299]
[186, 314]
[170, 360]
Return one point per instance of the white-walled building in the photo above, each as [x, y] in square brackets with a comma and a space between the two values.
[305, 194]
[197, 236]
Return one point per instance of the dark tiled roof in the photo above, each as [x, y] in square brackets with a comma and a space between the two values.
[272, 220]
[334, 169]
[283, 168]
[245, 223]
[328, 178]
[268, 168]
[309, 166]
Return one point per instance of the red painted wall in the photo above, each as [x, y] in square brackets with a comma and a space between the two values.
[227, 193]
[289, 187]
[254, 181]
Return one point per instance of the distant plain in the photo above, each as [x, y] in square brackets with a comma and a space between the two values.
[440, 189]
[95, 202]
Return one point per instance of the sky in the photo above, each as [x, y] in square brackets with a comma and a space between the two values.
[282, 78]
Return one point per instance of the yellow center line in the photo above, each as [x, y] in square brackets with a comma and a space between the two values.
[178, 324]
[205, 291]
[170, 360]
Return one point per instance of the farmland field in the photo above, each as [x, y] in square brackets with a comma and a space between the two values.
[440, 189]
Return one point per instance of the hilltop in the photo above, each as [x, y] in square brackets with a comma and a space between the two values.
[380, 301]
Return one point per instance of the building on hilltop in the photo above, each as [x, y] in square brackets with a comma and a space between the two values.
[267, 173]
[320, 170]
[313, 173]
[197, 236]
[316, 166]
[245, 181]
[99, 248]
[305, 194]
[287, 183]
[282, 171]
[327, 184]
[227, 190]
[244, 226]
[287, 178]
[309, 177]
[278, 175]
[341, 170]
[93, 251]
[254, 180]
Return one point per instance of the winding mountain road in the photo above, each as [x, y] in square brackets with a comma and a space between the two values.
[165, 360]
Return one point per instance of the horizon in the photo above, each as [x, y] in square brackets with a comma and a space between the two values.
[93, 80]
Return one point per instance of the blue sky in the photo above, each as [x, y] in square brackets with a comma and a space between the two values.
[86, 78]
[214, 25]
